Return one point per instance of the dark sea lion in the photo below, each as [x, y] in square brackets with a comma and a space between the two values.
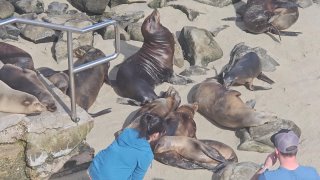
[10, 54]
[27, 81]
[151, 65]
[263, 16]
[224, 107]
[14, 101]
[57, 78]
[186, 151]
[88, 82]
[243, 71]
[180, 122]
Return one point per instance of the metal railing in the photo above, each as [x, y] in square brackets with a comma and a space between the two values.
[69, 31]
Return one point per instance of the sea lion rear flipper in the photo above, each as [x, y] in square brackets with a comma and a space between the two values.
[264, 78]
[128, 101]
[252, 87]
[251, 103]
[211, 152]
[289, 33]
[102, 112]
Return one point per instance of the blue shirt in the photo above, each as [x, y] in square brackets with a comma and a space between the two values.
[301, 173]
[127, 158]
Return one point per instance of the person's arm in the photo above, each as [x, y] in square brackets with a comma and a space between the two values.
[269, 162]
[142, 167]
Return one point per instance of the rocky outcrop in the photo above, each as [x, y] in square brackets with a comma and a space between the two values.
[199, 46]
[134, 30]
[90, 6]
[29, 6]
[218, 3]
[57, 8]
[34, 147]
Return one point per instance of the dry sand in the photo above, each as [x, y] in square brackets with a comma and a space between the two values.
[294, 96]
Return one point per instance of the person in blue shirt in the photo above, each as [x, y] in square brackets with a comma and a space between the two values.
[286, 147]
[130, 155]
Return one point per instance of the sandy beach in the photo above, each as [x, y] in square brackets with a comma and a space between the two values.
[294, 96]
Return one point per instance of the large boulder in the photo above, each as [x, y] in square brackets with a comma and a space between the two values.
[218, 3]
[199, 46]
[237, 171]
[34, 147]
[29, 6]
[90, 6]
[6, 9]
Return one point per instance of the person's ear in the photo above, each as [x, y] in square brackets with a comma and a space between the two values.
[277, 152]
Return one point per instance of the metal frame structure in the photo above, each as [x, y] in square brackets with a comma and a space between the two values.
[70, 30]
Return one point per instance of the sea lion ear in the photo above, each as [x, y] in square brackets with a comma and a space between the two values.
[26, 102]
[234, 93]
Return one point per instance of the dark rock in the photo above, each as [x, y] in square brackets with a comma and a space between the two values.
[191, 14]
[127, 18]
[39, 34]
[157, 4]
[6, 9]
[218, 3]
[57, 8]
[178, 58]
[109, 33]
[134, 30]
[29, 6]
[304, 3]
[90, 6]
[9, 32]
[316, 1]
[199, 46]
[114, 3]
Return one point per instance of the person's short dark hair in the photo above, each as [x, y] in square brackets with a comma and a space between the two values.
[150, 124]
[286, 141]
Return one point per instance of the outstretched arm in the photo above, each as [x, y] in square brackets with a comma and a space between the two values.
[269, 162]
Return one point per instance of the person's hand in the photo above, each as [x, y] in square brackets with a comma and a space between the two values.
[270, 160]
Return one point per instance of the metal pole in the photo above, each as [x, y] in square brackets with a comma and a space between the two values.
[71, 78]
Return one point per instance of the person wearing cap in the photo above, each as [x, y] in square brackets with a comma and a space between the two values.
[286, 147]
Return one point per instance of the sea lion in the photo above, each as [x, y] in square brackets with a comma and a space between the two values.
[243, 71]
[151, 65]
[88, 82]
[10, 54]
[208, 154]
[13, 101]
[27, 81]
[57, 78]
[258, 138]
[224, 107]
[263, 16]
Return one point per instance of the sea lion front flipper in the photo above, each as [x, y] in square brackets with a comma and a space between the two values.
[179, 80]
[174, 159]
[264, 78]
[289, 33]
[252, 87]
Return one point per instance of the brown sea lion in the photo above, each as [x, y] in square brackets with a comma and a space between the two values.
[243, 71]
[13, 101]
[151, 65]
[207, 154]
[88, 82]
[10, 54]
[263, 16]
[57, 78]
[224, 107]
[26, 80]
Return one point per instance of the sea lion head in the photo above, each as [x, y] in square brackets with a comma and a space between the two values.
[33, 105]
[229, 79]
[163, 145]
[151, 24]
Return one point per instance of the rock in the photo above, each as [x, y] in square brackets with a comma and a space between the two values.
[237, 171]
[127, 18]
[199, 46]
[194, 70]
[316, 1]
[191, 14]
[268, 63]
[114, 3]
[63, 18]
[134, 30]
[258, 138]
[108, 33]
[57, 8]
[6, 9]
[30, 16]
[178, 58]
[157, 4]
[29, 6]
[39, 34]
[90, 6]
[60, 48]
[218, 3]
[34, 147]
[304, 3]
[9, 32]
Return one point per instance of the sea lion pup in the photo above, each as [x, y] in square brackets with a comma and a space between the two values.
[89, 82]
[263, 16]
[57, 78]
[10, 54]
[13, 101]
[151, 65]
[26, 80]
[224, 107]
[243, 71]
[193, 150]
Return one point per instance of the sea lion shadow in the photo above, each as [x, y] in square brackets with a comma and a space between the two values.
[57, 98]
[239, 8]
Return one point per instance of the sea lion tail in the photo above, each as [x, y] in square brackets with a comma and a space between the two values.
[102, 112]
[264, 78]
